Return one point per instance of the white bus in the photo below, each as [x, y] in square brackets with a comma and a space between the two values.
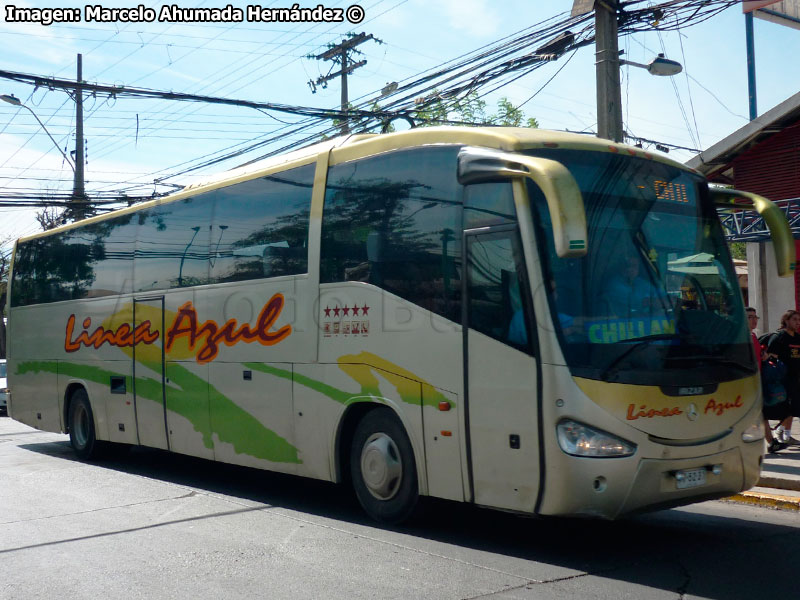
[531, 321]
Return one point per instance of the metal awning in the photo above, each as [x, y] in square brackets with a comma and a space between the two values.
[748, 226]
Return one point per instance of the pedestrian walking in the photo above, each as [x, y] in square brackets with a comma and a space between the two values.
[786, 346]
[773, 372]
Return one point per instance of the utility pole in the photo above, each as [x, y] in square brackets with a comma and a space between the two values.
[609, 95]
[339, 55]
[751, 65]
[80, 210]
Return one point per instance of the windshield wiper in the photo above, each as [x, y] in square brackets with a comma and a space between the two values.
[705, 359]
[639, 342]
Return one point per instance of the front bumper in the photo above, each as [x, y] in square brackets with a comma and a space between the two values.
[634, 485]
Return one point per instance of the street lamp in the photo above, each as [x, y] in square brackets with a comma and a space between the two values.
[609, 95]
[11, 99]
[660, 66]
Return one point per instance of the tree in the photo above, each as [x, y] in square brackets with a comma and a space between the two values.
[51, 217]
[738, 250]
[511, 116]
[434, 110]
[470, 110]
[5, 260]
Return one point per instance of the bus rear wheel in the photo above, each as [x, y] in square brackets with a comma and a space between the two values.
[81, 427]
[383, 470]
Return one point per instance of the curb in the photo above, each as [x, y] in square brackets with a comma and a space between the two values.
[779, 483]
[768, 500]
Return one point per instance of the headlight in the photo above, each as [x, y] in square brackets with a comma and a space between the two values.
[578, 439]
[754, 433]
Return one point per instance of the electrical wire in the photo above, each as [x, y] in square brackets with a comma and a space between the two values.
[491, 66]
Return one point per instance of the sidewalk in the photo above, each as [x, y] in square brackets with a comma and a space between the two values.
[779, 486]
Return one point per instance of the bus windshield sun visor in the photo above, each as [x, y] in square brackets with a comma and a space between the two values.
[779, 229]
[564, 200]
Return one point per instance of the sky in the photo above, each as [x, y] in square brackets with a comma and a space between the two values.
[131, 142]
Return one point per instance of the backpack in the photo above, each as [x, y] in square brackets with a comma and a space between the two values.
[773, 372]
[765, 339]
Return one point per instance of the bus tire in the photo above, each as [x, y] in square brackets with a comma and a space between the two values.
[383, 469]
[81, 427]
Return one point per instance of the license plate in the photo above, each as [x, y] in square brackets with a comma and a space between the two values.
[690, 478]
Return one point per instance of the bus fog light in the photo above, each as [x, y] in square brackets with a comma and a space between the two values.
[754, 433]
[716, 469]
[578, 439]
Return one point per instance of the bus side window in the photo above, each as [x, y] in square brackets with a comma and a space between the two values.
[95, 260]
[487, 204]
[497, 288]
[113, 243]
[260, 227]
[172, 245]
[394, 221]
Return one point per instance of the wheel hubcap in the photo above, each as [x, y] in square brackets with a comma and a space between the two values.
[381, 466]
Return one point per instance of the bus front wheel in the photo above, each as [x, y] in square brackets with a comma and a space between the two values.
[383, 469]
[81, 427]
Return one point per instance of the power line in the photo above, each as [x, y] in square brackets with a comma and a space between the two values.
[497, 64]
[339, 54]
[126, 91]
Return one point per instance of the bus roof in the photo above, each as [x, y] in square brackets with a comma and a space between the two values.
[503, 138]
[354, 146]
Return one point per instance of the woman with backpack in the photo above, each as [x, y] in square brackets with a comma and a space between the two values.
[773, 372]
[786, 346]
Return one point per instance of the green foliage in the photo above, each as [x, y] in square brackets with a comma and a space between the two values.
[5, 259]
[377, 108]
[471, 110]
[434, 113]
[508, 114]
[738, 250]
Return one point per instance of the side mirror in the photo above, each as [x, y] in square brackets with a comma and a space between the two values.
[779, 229]
[564, 199]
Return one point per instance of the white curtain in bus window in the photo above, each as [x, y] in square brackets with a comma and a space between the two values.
[172, 244]
[394, 221]
[260, 227]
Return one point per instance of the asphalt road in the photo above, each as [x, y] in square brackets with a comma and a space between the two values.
[154, 525]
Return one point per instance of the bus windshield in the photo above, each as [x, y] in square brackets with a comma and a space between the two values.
[657, 290]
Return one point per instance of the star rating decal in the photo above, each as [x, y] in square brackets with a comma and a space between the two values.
[336, 326]
[345, 310]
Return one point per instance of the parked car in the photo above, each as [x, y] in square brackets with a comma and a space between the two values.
[3, 387]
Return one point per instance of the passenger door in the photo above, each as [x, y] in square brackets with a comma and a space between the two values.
[500, 371]
[148, 371]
